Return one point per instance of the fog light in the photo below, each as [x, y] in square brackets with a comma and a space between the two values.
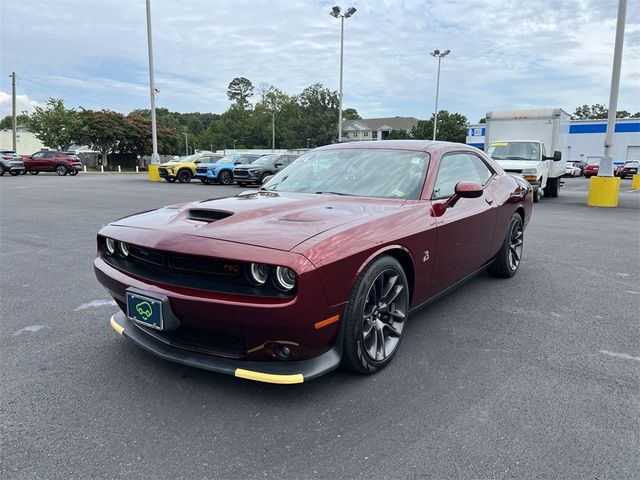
[281, 351]
[110, 245]
[124, 249]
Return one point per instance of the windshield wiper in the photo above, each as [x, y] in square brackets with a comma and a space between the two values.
[517, 158]
[336, 193]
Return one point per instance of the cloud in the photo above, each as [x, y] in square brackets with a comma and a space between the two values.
[23, 103]
[549, 53]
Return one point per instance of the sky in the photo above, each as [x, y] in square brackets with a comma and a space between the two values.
[505, 54]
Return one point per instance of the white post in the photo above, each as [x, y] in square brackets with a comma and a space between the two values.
[119, 171]
[137, 171]
[152, 87]
[606, 164]
[101, 168]
[85, 168]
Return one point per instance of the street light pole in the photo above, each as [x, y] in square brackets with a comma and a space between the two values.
[439, 55]
[186, 143]
[155, 158]
[335, 12]
[273, 131]
[14, 118]
[606, 164]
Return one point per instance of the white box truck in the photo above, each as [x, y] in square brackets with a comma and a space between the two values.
[532, 143]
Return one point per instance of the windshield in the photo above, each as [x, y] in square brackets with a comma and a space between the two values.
[360, 172]
[266, 160]
[632, 164]
[514, 151]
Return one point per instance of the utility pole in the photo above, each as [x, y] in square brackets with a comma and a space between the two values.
[273, 131]
[438, 54]
[14, 117]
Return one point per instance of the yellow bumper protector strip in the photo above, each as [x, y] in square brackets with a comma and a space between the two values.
[269, 377]
[116, 326]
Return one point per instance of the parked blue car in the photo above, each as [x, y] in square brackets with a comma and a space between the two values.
[222, 170]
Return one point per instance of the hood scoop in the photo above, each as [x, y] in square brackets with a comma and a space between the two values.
[205, 215]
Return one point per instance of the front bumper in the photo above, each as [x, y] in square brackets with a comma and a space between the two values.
[165, 173]
[208, 175]
[247, 177]
[269, 372]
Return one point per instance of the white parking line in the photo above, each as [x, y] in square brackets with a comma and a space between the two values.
[96, 304]
[620, 355]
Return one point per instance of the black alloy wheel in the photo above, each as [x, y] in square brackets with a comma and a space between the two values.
[508, 259]
[34, 172]
[61, 170]
[13, 173]
[1, 170]
[73, 172]
[206, 181]
[23, 172]
[225, 177]
[184, 176]
[376, 316]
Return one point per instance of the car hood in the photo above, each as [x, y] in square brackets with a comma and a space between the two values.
[517, 165]
[279, 221]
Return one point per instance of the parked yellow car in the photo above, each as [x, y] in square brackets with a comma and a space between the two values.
[184, 168]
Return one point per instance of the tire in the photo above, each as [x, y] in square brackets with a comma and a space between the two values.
[264, 175]
[73, 172]
[508, 259]
[184, 176]
[552, 187]
[375, 320]
[13, 173]
[536, 195]
[170, 179]
[1, 170]
[242, 184]
[61, 170]
[23, 172]
[206, 181]
[225, 177]
[34, 172]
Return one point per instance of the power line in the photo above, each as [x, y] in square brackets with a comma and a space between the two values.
[22, 77]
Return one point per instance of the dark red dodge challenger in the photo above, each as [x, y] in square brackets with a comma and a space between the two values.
[321, 266]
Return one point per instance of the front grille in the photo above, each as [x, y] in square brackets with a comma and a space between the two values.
[162, 171]
[201, 340]
[240, 173]
[189, 271]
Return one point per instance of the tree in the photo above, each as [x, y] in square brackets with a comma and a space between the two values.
[318, 115]
[483, 120]
[55, 125]
[452, 127]
[239, 91]
[599, 112]
[22, 119]
[104, 130]
[263, 89]
[399, 135]
[350, 114]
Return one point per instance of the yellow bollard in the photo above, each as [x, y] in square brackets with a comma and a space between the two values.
[603, 192]
[635, 182]
[154, 175]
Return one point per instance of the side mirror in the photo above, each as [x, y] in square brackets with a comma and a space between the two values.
[278, 165]
[266, 179]
[557, 156]
[462, 190]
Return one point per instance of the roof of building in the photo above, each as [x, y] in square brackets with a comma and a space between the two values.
[394, 123]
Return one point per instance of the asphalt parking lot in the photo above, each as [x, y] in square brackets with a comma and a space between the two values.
[533, 377]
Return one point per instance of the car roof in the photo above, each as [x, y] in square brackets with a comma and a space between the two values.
[414, 145]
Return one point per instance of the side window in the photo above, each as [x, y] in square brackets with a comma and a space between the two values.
[50, 155]
[459, 167]
[38, 155]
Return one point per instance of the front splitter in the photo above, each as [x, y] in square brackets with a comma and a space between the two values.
[268, 372]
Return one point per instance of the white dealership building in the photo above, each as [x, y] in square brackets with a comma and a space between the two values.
[586, 139]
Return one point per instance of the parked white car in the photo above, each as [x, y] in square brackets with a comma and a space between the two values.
[572, 171]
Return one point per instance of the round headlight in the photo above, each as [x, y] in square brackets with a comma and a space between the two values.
[124, 249]
[258, 273]
[285, 278]
[110, 245]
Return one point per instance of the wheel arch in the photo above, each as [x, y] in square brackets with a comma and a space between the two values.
[402, 255]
